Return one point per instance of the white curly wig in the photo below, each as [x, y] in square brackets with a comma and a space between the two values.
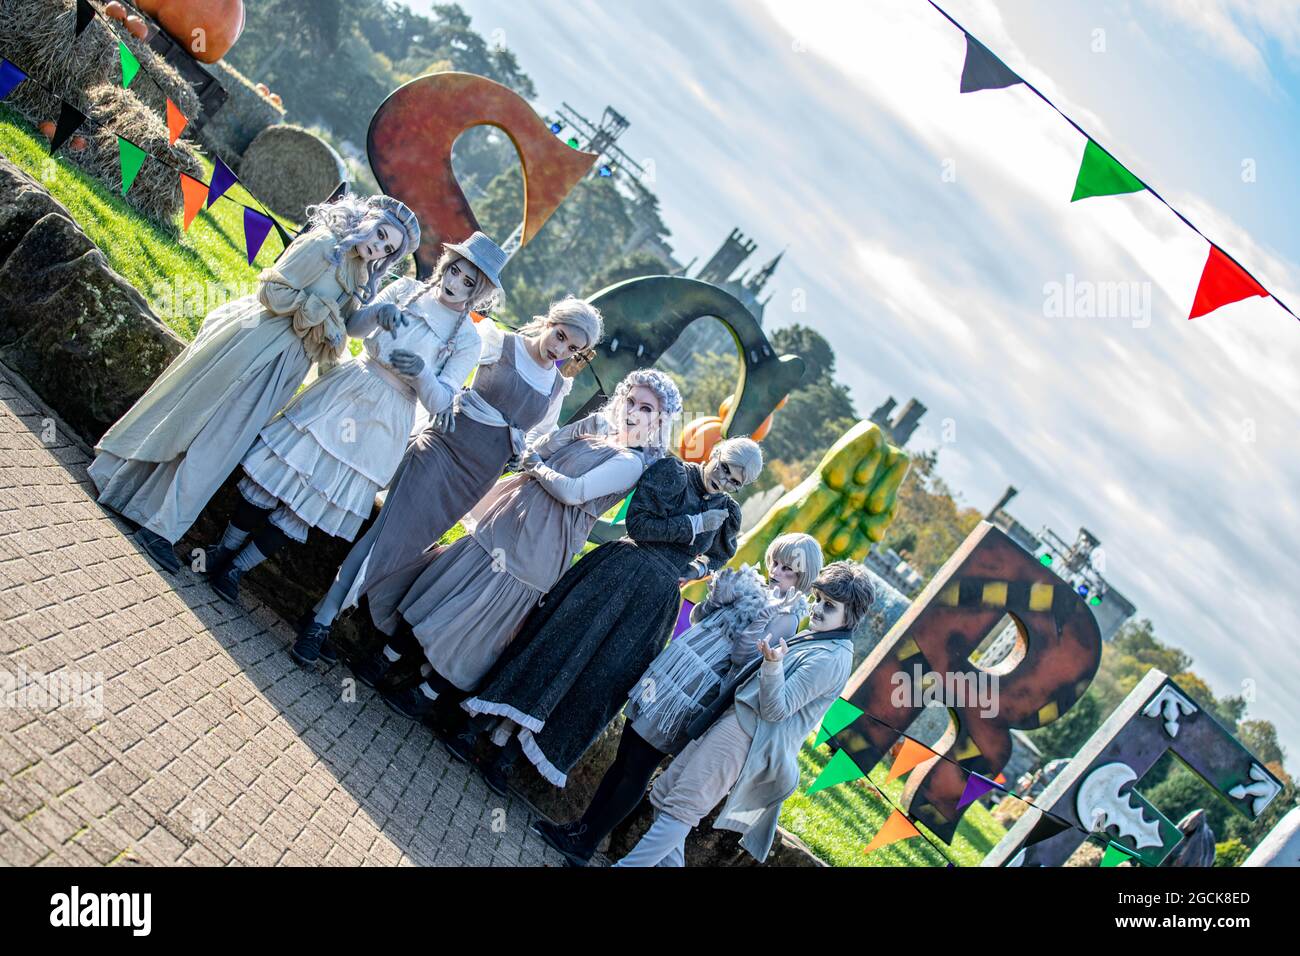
[350, 220]
[670, 407]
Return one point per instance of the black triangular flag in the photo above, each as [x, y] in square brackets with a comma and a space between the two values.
[983, 70]
[1047, 827]
[340, 191]
[70, 118]
[85, 13]
[285, 239]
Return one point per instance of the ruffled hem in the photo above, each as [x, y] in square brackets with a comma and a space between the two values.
[307, 478]
[476, 706]
[538, 759]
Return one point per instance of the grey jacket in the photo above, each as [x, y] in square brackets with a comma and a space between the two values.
[779, 706]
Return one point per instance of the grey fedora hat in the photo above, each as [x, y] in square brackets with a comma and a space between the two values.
[486, 255]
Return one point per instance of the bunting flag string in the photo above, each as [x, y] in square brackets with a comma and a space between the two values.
[194, 192]
[10, 77]
[85, 13]
[842, 768]
[896, 828]
[70, 120]
[132, 157]
[130, 65]
[1101, 174]
[176, 122]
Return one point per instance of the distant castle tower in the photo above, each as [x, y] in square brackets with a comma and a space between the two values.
[900, 427]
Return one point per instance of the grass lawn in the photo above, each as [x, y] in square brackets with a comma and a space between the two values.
[838, 823]
[182, 277]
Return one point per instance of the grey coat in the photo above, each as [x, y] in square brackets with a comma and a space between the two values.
[779, 706]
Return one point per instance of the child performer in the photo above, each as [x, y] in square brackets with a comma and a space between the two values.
[166, 457]
[455, 460]
[568, 673]
[321, 461]
[470, 599]
[739, 611]
[745, 745]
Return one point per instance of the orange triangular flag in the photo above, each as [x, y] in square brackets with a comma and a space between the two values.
[896, 828]
[909, 755]
[195, 194]
[176, 122]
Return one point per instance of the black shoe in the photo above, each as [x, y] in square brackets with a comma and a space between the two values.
[462, 746]
[160, 549]
[410, 702]
[329, 653]
[310, 646]
[372, 670]
[565, 839]
[226, 584]
[216, 558]
[497, 774]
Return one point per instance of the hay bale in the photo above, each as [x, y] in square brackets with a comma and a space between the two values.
[156, 192]
[38, 36]
[244, 115]
[289, 168]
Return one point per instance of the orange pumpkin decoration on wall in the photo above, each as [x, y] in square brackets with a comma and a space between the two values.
[206, 28]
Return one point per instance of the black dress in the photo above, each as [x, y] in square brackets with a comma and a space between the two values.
[569, 671]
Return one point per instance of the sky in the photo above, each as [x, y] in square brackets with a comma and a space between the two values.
[932, 241]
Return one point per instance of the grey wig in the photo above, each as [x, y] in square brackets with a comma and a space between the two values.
[349, 218]
[670, 407]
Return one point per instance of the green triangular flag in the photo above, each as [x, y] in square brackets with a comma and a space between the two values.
[840, 715]
[130, 65]
[840, 769]
[1116, 854]
[1100, 174]
[132, 158]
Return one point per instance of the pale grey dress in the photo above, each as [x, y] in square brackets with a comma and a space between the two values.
[166, 457]
[465, 602]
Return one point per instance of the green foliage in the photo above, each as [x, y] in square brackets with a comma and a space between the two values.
[930, 524]
[632, 266]
[1230, 853]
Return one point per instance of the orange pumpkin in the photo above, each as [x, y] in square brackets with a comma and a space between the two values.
[761, 431]
[137, 27]
[207, 28]
[47, 129]
[115, 10]
[79, 143]
[699, 437]
[275, 98]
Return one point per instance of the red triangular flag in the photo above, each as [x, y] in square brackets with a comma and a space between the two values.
[1222, 283]
[195, 192]
[176, 122]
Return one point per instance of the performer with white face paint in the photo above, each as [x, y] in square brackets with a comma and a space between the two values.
[321, 461]
[457, 458]
[162, 462]
[569, 671]
[745, 745]
[461, 605]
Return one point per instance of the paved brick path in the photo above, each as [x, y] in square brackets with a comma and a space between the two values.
[212, 746]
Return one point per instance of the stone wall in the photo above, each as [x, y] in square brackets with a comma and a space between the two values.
[87, 343]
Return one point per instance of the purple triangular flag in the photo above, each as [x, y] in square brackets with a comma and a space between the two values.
[256, 228]
[70, 118]
[222, 179]
[10, 77]
[983, 70]
[976, 787]
[85, 13]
